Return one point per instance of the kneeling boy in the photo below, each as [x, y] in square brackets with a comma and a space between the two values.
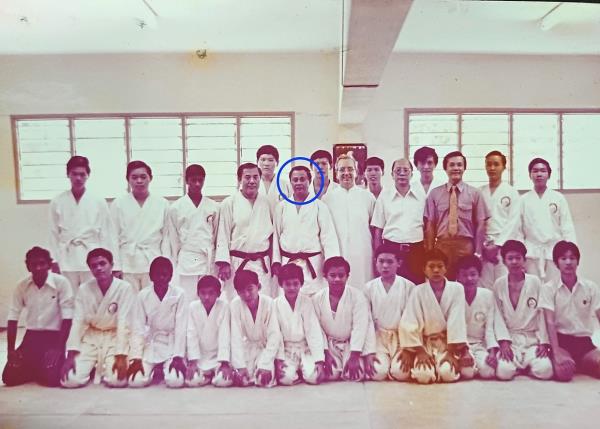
[158, 330]
[48, 298]
[208, 337]
[572, 308]
[433, 325]
[301, 357]
[255, 336]
[99, 336]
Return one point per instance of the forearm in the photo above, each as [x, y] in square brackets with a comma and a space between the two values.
[551, 329]
[65, 329]
[377, 237]
[429, 235]
[11, 335]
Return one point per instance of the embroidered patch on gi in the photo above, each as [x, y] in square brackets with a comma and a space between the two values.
[113, 307]
[505, 202]
[553, 207]
[532, 303]
[480, 316]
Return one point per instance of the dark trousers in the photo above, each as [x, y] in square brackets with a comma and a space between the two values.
[577, 347]
[411, 254]
[454, 248]
[32, 366]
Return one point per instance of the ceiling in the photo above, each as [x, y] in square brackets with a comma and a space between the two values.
[446, 26]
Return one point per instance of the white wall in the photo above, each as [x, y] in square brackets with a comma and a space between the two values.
[494, 81]
[305, 84]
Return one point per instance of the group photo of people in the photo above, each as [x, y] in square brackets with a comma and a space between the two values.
[429, 280]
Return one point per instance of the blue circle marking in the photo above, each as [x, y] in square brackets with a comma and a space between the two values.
[285, 197]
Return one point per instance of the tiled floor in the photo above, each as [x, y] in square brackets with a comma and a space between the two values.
[522, 403]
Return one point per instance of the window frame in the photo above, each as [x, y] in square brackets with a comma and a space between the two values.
[127, 117]
[459, 111]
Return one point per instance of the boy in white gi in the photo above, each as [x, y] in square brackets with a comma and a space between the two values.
[255, 336]
[158, 330]
[79, 222]
[433, 325]
[374, 168]
[572, 308]
[523, 342]
[208, 337]
[387, 296]
[193, 221]
[344, 316]
[140, 220]
[267, 159]
[480, 358]
[245, 228]
[300, 356]
[545, 220]
[304, 233]
[99, 335]
[351, 210]
[503, 202]
[48, 299]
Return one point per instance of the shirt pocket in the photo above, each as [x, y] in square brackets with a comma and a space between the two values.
[465, 211]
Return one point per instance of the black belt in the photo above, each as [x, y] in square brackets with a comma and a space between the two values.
[251, 256]
[403, 247]
[302, 255]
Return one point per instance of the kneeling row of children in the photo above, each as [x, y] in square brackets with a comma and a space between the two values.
[439, 331]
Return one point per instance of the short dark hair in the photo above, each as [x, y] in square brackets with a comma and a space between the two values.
[244, 278]
[468, 261]
[539, 161]
[452, 155]
[513, 246]
[497, 153]
[38, 252]
[97, 253]
[290, 271]
[138, 164]
[435, 255]
[335, 261]
[78, 161]
[247, 166]
[423, 153]
[194, 170]
[301, 168]
[387, 248]
[160, 261]
[322, 154]
[375, 161]
[563, 247]
[267, 150]
[208, 281]
[402, 159]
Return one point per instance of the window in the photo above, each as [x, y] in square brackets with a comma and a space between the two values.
[168, 143]
[568, 140]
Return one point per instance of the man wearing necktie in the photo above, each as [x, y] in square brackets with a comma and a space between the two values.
[455, 215]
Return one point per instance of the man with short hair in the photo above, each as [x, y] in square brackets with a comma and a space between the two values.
[245, 229]
[324, 160]
[140, 220]
[373, 172]
[267, 159]
[304, 233]
[455, 215]
[398, 220]
[79, 221]
[426, 160]
[351, 209]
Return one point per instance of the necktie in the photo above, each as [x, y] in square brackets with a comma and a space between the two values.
[453, 213]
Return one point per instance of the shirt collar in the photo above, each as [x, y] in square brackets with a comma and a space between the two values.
[460, 186]
[50, 281]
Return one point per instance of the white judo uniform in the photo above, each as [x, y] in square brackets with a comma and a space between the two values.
[387, 308]
[433, 325]
[305, 235]
[272, 193]
[142, 235]
[302, 340]
[351, 212]
[245, 230]
[158, 333]
[525, 327]
[100, 330]
[502, 225]
[193, 237]
[544, 221]
[209, 342]
[348, 329]
[481, 320]
[76, 228]
[254, 343]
